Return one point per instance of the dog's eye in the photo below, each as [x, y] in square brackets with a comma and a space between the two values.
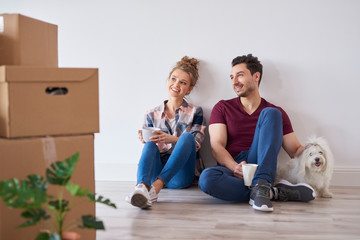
[321, 153]
[310, 154]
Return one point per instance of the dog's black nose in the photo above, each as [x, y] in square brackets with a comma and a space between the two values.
[317, 159]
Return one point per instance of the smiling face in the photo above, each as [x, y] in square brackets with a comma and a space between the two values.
[179, 84]
[242, 81]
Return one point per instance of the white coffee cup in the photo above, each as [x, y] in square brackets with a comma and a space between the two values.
[147, 132]
[249, 170]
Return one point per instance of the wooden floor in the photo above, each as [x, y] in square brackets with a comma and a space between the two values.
[191, 214]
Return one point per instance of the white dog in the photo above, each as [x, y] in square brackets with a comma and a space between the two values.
[314, 167]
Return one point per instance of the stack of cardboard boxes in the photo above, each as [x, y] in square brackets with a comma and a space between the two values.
[46, 114]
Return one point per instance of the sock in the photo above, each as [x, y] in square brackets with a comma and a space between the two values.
[274, 193]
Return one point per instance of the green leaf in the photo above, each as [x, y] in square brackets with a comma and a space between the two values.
[59, 206]
[91, 222]
[28, 193]
[60, 173]
[48, 236]
[34, 216]
[43, 236]
[77, 191]
[39, 187]
[107, 202]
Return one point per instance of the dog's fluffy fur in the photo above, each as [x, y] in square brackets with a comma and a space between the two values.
[314, 167]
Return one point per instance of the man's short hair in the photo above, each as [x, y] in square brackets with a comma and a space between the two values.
[252, 63]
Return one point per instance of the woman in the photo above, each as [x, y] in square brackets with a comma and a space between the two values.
[169, 158]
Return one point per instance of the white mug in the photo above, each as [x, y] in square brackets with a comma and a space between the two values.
[249, 170]
[147, 132]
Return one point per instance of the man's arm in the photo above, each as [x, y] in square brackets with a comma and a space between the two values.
[292, 145]
[218, 141]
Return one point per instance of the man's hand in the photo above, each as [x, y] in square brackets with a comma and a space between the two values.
[238, 172]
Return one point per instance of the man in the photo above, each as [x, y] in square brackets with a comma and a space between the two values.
[248, 129]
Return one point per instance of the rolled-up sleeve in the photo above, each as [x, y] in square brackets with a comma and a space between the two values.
[198, 126]
[148, 120]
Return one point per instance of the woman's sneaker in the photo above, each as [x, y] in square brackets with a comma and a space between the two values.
[153, 195]
[141, 197]
[260, 196]
[301, 192]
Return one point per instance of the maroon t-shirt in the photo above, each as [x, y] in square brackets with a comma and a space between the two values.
[240, 125]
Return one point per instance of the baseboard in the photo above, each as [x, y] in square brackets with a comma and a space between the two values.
[346, 177]
[114, 171]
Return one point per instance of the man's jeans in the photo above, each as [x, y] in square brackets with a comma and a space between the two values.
[220, 182]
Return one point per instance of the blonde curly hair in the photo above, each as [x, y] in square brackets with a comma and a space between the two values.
[188, 65]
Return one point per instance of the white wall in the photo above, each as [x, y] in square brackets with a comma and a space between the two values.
[309, 49]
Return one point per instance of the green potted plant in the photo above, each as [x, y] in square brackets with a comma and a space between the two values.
[31, 194]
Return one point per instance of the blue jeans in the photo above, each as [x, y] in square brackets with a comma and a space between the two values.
[221, 183]
[176, 170]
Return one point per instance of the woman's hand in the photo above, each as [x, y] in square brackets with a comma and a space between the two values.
[238, 172]
[141, 136]
[162, 137]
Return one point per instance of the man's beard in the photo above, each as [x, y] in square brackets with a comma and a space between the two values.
[247, 92]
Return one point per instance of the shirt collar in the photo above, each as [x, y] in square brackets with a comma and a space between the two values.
[183, 106]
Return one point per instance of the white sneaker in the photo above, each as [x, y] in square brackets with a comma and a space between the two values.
[153, 195]
[140, 197]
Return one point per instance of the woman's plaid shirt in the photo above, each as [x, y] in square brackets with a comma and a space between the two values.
[188, 118]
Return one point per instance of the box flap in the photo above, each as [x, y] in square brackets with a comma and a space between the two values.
[18, 15]
[44, 74]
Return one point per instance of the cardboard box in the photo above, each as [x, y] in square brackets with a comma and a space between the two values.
[27, 41]
[21, 157]
[37, 101]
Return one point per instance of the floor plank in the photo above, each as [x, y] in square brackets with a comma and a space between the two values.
[191, 214]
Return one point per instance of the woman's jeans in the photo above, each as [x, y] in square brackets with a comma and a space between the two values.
[221, 183]
[176, 170]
